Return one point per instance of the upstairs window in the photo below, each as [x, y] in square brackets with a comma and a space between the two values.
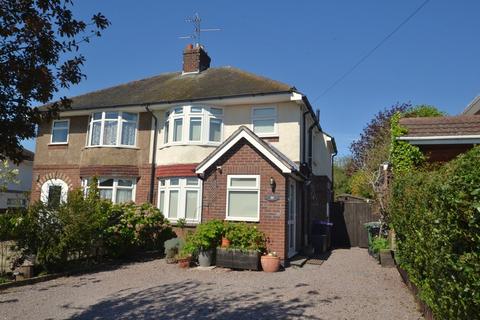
[193, 124]
[113, 129]
[60, 130]
[264, 121]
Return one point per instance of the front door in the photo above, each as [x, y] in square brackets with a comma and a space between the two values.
[291, 218]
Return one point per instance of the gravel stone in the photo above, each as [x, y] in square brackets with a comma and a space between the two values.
[349, 285]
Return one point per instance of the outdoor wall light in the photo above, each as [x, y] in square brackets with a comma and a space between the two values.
[273, 184]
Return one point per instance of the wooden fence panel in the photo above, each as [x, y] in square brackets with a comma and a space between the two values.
[348, 219]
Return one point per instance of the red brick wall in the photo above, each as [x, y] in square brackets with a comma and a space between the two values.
[40, 174]
[72, 175]
[244, 159]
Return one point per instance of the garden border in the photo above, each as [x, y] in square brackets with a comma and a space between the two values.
[424, 308]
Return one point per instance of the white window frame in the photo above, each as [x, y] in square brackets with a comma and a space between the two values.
[120, 120]
[274, 117]
[186, 115]
[53, 128]
[115, 186]
[182, 189]
[240, 189]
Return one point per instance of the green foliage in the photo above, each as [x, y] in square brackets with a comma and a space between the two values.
[436, 216]
[341, 179]
[87, 228]
[246, 237]
[39, 54]
[403, 155]
[133, 227]
[207, 235]
[242, 236]
[379, 243]
[360, 185]
[7, 175]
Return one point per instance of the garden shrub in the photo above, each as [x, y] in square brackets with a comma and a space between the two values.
[436, 216]
[136, 227]
[88, 228]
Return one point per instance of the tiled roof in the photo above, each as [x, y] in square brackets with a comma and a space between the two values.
[442, 126]
[175, 86]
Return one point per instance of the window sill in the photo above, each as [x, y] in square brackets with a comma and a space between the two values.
[201, 144]
[243, 219]
[189, 223]
[268, 135]
[117, 147]
[58, 144]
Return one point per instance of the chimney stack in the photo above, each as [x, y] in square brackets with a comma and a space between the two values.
[195, 59]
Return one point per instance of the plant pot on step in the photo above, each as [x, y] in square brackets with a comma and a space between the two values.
[270, 263]
[184, 262]
[205, 258]
[225, 242]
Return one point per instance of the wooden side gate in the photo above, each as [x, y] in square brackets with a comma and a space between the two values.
[348, 216]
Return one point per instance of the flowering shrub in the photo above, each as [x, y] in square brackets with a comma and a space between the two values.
[88, 228]
[137, 227]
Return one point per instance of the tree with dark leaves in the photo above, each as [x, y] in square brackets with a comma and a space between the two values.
[39, 55]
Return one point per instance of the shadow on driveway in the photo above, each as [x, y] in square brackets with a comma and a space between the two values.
[196, 300]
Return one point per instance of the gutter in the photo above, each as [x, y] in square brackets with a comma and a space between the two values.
[154, 156]
[245, 95]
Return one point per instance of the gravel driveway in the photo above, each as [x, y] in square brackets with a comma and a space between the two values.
[349, 285]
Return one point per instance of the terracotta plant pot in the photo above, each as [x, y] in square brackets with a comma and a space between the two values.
[270, 263]
[225, 242]
[184, 263]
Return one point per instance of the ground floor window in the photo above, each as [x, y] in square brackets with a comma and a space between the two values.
[243, 197]
[117, 190]
[16, 202]
[180, 198]
[53, 192]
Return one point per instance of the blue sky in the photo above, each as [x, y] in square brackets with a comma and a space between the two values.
[434, 59]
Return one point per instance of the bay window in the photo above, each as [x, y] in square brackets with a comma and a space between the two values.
[112, 128]
[243, 197]
[193, 125]
[117, 190]
[180, 198]
[264, 121]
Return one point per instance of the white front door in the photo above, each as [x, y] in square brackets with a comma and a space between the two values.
[291, 218]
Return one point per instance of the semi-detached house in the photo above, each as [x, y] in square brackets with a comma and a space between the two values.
[200, 144]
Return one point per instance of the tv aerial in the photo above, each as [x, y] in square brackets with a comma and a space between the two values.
[196, 21]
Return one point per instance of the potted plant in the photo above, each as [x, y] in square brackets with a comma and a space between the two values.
[270, 262]
[244, 252]
[226, 235]
[205, 239]
[172, 247]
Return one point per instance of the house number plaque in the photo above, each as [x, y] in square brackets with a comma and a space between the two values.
[272, 197]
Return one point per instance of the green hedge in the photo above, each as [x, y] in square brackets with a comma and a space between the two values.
[436, 215]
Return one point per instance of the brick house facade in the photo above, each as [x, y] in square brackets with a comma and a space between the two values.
[195, 132]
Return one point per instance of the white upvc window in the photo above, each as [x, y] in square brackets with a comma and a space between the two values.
[193, 125]
[180, 198]
[117, 190]
[243, 197]
[60, 130]
[264, 121]
[113, 128]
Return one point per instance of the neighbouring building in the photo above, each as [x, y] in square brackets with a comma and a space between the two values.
[473, 108]
[201, 143]
[16, 194]
[442, 138]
